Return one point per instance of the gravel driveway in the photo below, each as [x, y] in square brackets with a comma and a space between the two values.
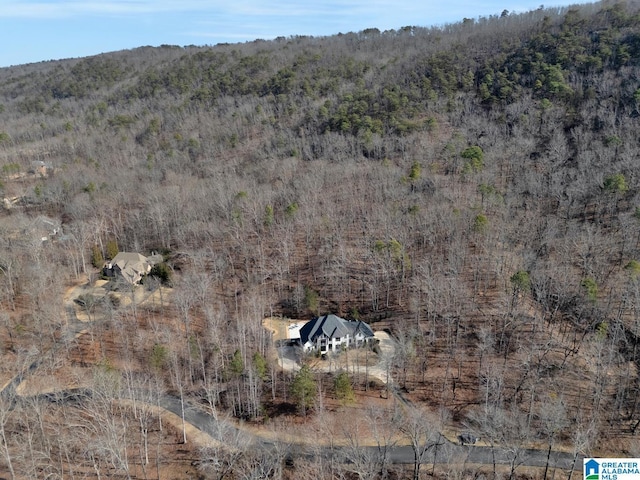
[289, 358]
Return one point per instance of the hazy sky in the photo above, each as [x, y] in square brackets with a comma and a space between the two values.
[36, 30]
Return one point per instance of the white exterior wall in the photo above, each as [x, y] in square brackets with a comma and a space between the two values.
[333, 345]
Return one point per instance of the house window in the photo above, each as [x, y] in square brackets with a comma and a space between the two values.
[337, 339]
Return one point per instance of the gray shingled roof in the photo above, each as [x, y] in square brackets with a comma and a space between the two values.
[332, 326]
[362, 327]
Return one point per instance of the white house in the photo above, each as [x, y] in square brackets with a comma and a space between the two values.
[331, 333]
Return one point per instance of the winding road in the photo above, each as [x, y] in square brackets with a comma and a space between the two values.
[399, 454]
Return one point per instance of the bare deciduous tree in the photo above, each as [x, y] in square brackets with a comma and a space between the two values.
[422, 429]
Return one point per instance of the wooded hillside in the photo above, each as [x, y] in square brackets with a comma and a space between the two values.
[473, 188]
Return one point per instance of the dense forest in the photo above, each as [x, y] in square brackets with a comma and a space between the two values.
[472, 189]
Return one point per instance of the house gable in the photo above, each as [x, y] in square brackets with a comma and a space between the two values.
[332, 333]
[131, 266]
